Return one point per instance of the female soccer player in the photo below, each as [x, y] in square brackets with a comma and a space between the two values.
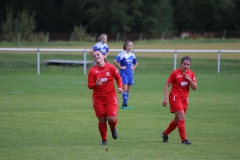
[101, 46]
[180, 79]
[127, 62]
[104, 98]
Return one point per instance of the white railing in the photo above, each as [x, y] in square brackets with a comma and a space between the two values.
[38, 50]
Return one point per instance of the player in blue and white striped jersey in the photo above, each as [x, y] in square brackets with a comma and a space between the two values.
[101, 46]
[127, 62]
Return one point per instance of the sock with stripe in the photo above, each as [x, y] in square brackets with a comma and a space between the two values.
[124, 97]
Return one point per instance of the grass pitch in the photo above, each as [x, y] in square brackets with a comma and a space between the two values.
[51, 116]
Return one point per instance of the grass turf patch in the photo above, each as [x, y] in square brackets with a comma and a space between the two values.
[51, 117]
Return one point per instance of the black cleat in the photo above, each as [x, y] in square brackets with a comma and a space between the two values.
[186, 142]
[165, 138]
[103, 143]
[114, 134]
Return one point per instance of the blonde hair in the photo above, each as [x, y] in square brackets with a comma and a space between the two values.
[101, 36]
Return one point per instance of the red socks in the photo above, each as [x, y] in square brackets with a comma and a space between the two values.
[113, 125]
[182, 129]
[103, 130]
[170, 128]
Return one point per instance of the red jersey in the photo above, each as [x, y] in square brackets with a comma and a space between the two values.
[180, 86]
[107, 74]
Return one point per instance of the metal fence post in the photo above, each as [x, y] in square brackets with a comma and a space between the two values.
[175, 60]
[85, 62]
[38, 62]
[219, 56]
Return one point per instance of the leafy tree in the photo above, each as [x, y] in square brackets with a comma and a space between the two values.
[23, 23]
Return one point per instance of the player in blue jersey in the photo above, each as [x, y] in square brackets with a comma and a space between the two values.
[101, 46]
[127, 62]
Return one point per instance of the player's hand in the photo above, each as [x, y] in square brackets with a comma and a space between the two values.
[123, 67]
[164, 103]
[98, 82]
[119, 90]
[187, 77]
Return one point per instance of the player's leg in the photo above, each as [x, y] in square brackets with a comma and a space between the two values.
[181, 123]
[102, 124]
[175, 105]
[129, 83]
[112, 121]
[128, 94]
[111, 114]
[124, 93]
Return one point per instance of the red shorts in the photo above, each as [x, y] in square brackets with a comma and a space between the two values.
[105, 107]
[177, 104]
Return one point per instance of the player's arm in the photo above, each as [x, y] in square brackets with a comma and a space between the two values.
[91, 81]
[118, 78]
[118, 64]
[91, 51]
[107, 53]
[193, 83]
[165, 100]
[94, 48]
[134, 66]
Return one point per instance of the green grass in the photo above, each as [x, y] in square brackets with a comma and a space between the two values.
[157, 41]
[12, 63]
[51, 117]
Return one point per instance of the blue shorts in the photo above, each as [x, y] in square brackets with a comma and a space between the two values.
[128, 81]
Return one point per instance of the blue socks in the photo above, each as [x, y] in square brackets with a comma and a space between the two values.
[125, 98]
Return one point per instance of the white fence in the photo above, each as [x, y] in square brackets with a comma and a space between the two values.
[85, 51]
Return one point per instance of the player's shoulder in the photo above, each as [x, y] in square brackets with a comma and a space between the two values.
[132, 54]
[121, 53]
[112, 67]
[190, 71]
[109, 65]
[105, 44]
[98, 44]
[93, 68]
[176, 71]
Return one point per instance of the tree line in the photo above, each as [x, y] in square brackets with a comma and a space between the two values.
[125, 16]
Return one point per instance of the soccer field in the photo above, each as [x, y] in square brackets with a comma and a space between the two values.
[51, 116]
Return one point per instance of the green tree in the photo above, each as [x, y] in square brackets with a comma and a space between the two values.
[24, 24]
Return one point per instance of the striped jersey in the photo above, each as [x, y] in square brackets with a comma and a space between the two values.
[126, 59]
[103, 47]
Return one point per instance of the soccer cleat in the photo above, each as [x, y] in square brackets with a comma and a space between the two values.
[186, 142]
[125, 106]
[165, 138]
[103, 143]
[114, 134]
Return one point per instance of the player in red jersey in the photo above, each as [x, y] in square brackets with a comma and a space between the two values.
[180, 79]
[104, 98]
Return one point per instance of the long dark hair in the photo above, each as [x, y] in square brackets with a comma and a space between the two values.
[124, 45]
[186, 58]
